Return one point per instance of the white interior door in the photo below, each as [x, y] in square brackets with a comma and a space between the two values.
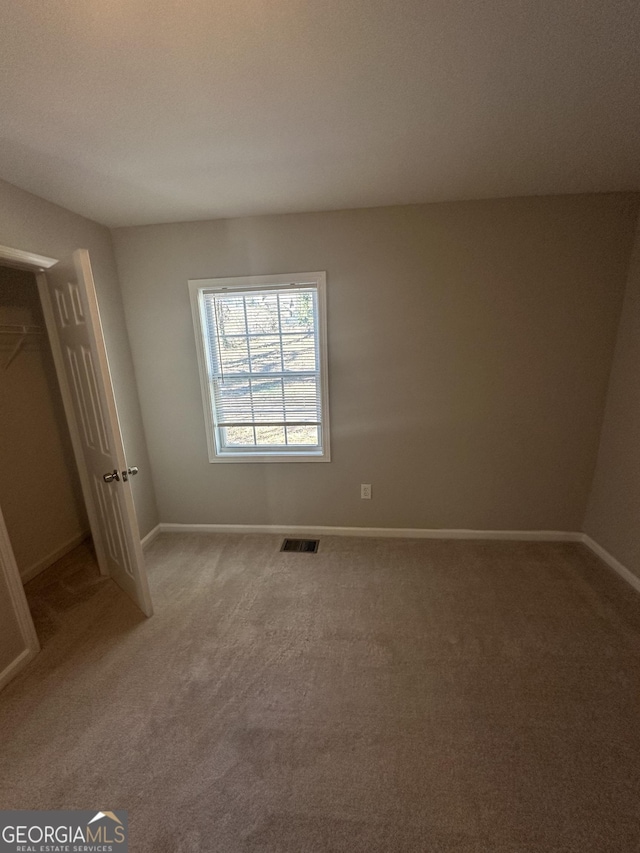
[71, 307]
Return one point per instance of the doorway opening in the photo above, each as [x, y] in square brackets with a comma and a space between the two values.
[69, 305]
[40, 490]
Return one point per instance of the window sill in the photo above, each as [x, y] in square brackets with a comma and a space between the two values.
[270, 457]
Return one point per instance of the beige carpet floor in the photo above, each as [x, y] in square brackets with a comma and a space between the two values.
[381, 695]
[72, 580]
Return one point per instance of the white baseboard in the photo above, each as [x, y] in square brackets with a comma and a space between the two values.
[31, 571]
[611, 561]
[151, 535]
[16, 665]
[378, 532]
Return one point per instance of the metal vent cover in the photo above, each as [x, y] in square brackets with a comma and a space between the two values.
[300, 546]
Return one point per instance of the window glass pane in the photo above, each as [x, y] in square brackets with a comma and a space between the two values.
[262, 312]
[297, 311]
[265, 354]
[301, 398]
[299, 352]
[269, 435]
[238, 436]
[298, 435]
[232, 399]
[227, 312]
[267, 399]
[233, 354]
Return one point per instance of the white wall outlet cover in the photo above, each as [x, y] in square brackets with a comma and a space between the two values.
[365, 491]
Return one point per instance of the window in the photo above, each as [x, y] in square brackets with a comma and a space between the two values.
[262, 352]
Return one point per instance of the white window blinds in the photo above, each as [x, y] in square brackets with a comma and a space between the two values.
[264, 368]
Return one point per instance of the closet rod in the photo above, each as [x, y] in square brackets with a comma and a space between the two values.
[14, 329]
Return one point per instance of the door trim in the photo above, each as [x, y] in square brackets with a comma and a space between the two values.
[11, 574]
[25, 260]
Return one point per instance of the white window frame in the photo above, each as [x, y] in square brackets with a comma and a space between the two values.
[198, 287]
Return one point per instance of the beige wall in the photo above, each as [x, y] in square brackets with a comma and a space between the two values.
[30, 223]
[613, 514]
[38, 477]
[469, 348]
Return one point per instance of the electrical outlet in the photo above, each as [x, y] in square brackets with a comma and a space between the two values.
[365, 491]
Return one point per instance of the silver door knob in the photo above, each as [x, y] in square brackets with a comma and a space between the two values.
[130, 471]
[109, 478]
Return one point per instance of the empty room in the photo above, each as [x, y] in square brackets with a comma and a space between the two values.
[320, 426]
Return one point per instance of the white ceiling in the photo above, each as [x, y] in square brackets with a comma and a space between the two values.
[141, 111]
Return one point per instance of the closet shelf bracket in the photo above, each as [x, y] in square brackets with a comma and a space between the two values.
[23, 331]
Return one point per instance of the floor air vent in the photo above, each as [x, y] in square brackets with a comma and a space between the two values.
[300, 546]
